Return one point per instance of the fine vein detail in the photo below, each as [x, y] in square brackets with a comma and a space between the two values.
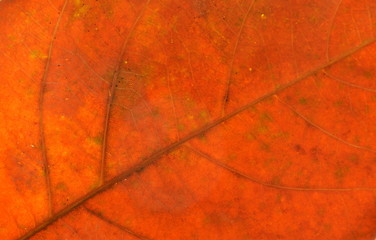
[158, 154]
[41, 115]
[228, 83]
[349, 83]
[117, 225]
[275, 186]
[111, 95]
[326, 132]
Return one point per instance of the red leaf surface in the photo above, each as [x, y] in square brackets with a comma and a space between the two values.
[188, 119]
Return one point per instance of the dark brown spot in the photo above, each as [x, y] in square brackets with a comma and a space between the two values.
[299, 149]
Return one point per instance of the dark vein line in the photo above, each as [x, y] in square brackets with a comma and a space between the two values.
[326, 132]
[349, 83]
[41, 115]
[111, 95]
[109, 221]
[172, 103]
[270, 185]
[157, 155]
[228, 83]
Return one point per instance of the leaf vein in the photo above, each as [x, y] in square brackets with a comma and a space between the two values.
[41, 115]
[275, 186]
[157, 155]
[111, 94]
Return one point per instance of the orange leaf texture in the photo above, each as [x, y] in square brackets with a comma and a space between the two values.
[188, 119]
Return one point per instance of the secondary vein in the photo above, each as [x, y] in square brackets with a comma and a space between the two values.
[111, 95]
[41, 112]
[157, 155]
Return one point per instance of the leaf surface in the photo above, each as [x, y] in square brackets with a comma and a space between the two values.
[189, 119]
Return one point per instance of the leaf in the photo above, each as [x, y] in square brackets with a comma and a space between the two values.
[190, 119]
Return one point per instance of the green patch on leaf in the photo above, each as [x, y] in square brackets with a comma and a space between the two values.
[180, 127]
[265, 147]
[232, 156]
[341, 172]
[283, 135]
[303, 101]
[338, 103]
[81, 10]
[36, 54]
[262, 129]
[276, 180]
[353, 157]
[155, 112]
[269, 161]
[321, 212]
[98, 139]
[61, 186]
[265, 117]
[204, 115]
[368, 74]
[249, 136]
[180, 154]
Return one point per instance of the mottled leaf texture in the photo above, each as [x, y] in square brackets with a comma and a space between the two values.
[188, 119]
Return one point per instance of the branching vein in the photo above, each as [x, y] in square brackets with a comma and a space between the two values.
[41, 113]
[111, 94]
[270, 185]
[326, 132]
[157, 155]
[117, 225]
[229, 78]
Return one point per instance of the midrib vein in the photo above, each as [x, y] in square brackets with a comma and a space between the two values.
[157, 155]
